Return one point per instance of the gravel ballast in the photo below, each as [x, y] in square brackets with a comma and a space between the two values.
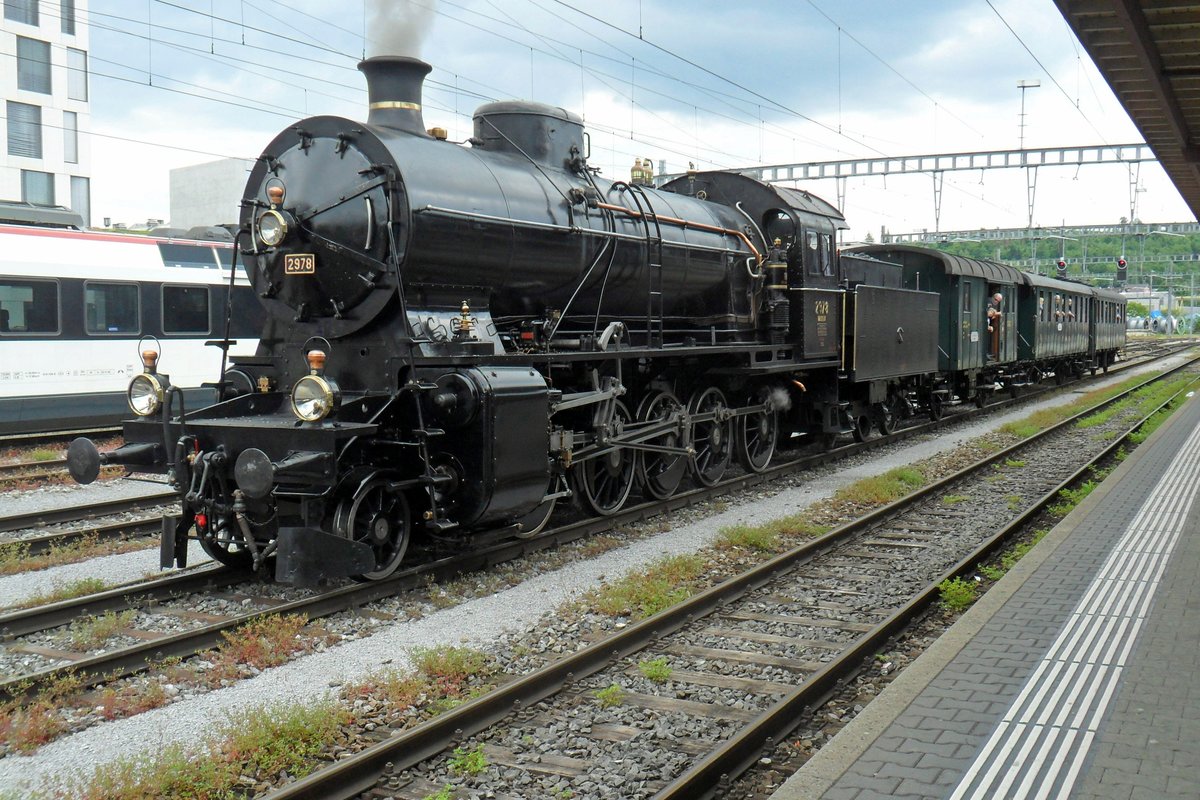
[480, 622]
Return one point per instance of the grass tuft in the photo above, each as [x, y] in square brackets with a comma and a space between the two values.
[610, 696]
[882, 489]
[656, 669]
[643, 594]
[957, 593]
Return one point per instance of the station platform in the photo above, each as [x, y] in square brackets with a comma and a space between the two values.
[1076, 676]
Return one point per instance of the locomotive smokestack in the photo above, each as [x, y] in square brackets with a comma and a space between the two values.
[394, 88]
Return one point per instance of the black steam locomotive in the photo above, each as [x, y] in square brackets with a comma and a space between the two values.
[458, 337]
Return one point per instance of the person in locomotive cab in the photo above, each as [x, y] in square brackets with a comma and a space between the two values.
[994, 314]
[777, 253]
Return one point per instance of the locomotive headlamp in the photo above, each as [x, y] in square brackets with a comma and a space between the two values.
[314, 396]
[273, 227]
[146, 391]
[145, 394]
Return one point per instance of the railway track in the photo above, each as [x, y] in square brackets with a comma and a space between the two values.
[82, 513]
[746, 658]
[32, 470]
[168, 597]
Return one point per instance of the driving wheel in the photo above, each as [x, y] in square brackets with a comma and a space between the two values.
[661, 472]
[757, 433]
[603, 483]
[712, 439]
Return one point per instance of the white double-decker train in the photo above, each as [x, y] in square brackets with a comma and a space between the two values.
[74, 305]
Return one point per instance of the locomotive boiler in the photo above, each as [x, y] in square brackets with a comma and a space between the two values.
[456, 337]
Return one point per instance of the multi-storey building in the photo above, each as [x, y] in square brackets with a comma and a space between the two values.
[44, 148]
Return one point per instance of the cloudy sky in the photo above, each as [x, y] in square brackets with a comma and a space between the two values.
[718, 84]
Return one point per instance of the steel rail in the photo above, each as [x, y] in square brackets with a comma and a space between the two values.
[32, 469]
[52, 516]
[38, 545]
[358, 773]
[25, 621]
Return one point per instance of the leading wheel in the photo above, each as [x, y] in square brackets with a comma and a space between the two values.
[603, 483]
[757, 433]
[226, 546]
[712, 439]
[377, 517]
[660, 472]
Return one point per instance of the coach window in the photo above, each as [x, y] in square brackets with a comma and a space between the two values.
[28, 306]
[111, 308]
[185, 309]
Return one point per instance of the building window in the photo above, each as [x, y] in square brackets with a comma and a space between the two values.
[28, 306]
[185, 309]
[111, 307]
[81, 198]
[70, 137]
[33, 65]
[21, 11]
[37, 187]
[77, 76]
[67, 14]
[24, 130]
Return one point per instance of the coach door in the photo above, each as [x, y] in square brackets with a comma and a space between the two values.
[970, 341]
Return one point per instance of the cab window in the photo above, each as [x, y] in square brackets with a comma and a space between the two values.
[812, 255]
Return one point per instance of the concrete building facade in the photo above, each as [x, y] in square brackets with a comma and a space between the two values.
[208, 194]
[45, 152]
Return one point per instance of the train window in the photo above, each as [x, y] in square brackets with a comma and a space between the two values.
[826, 252]
[812, 257]
[185, 309]
[28, 306]
[111, 308]
[187, 255]
[779, 225]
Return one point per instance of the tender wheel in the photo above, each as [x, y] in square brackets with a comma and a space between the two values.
[711, 439]
[980, 397]
[378, 518]
[757, 433]
[885, 418]
[937, 407]
[862, 428]
[660, 473]
[603, 483]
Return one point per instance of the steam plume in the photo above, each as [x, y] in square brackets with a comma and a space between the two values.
[397, 27]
